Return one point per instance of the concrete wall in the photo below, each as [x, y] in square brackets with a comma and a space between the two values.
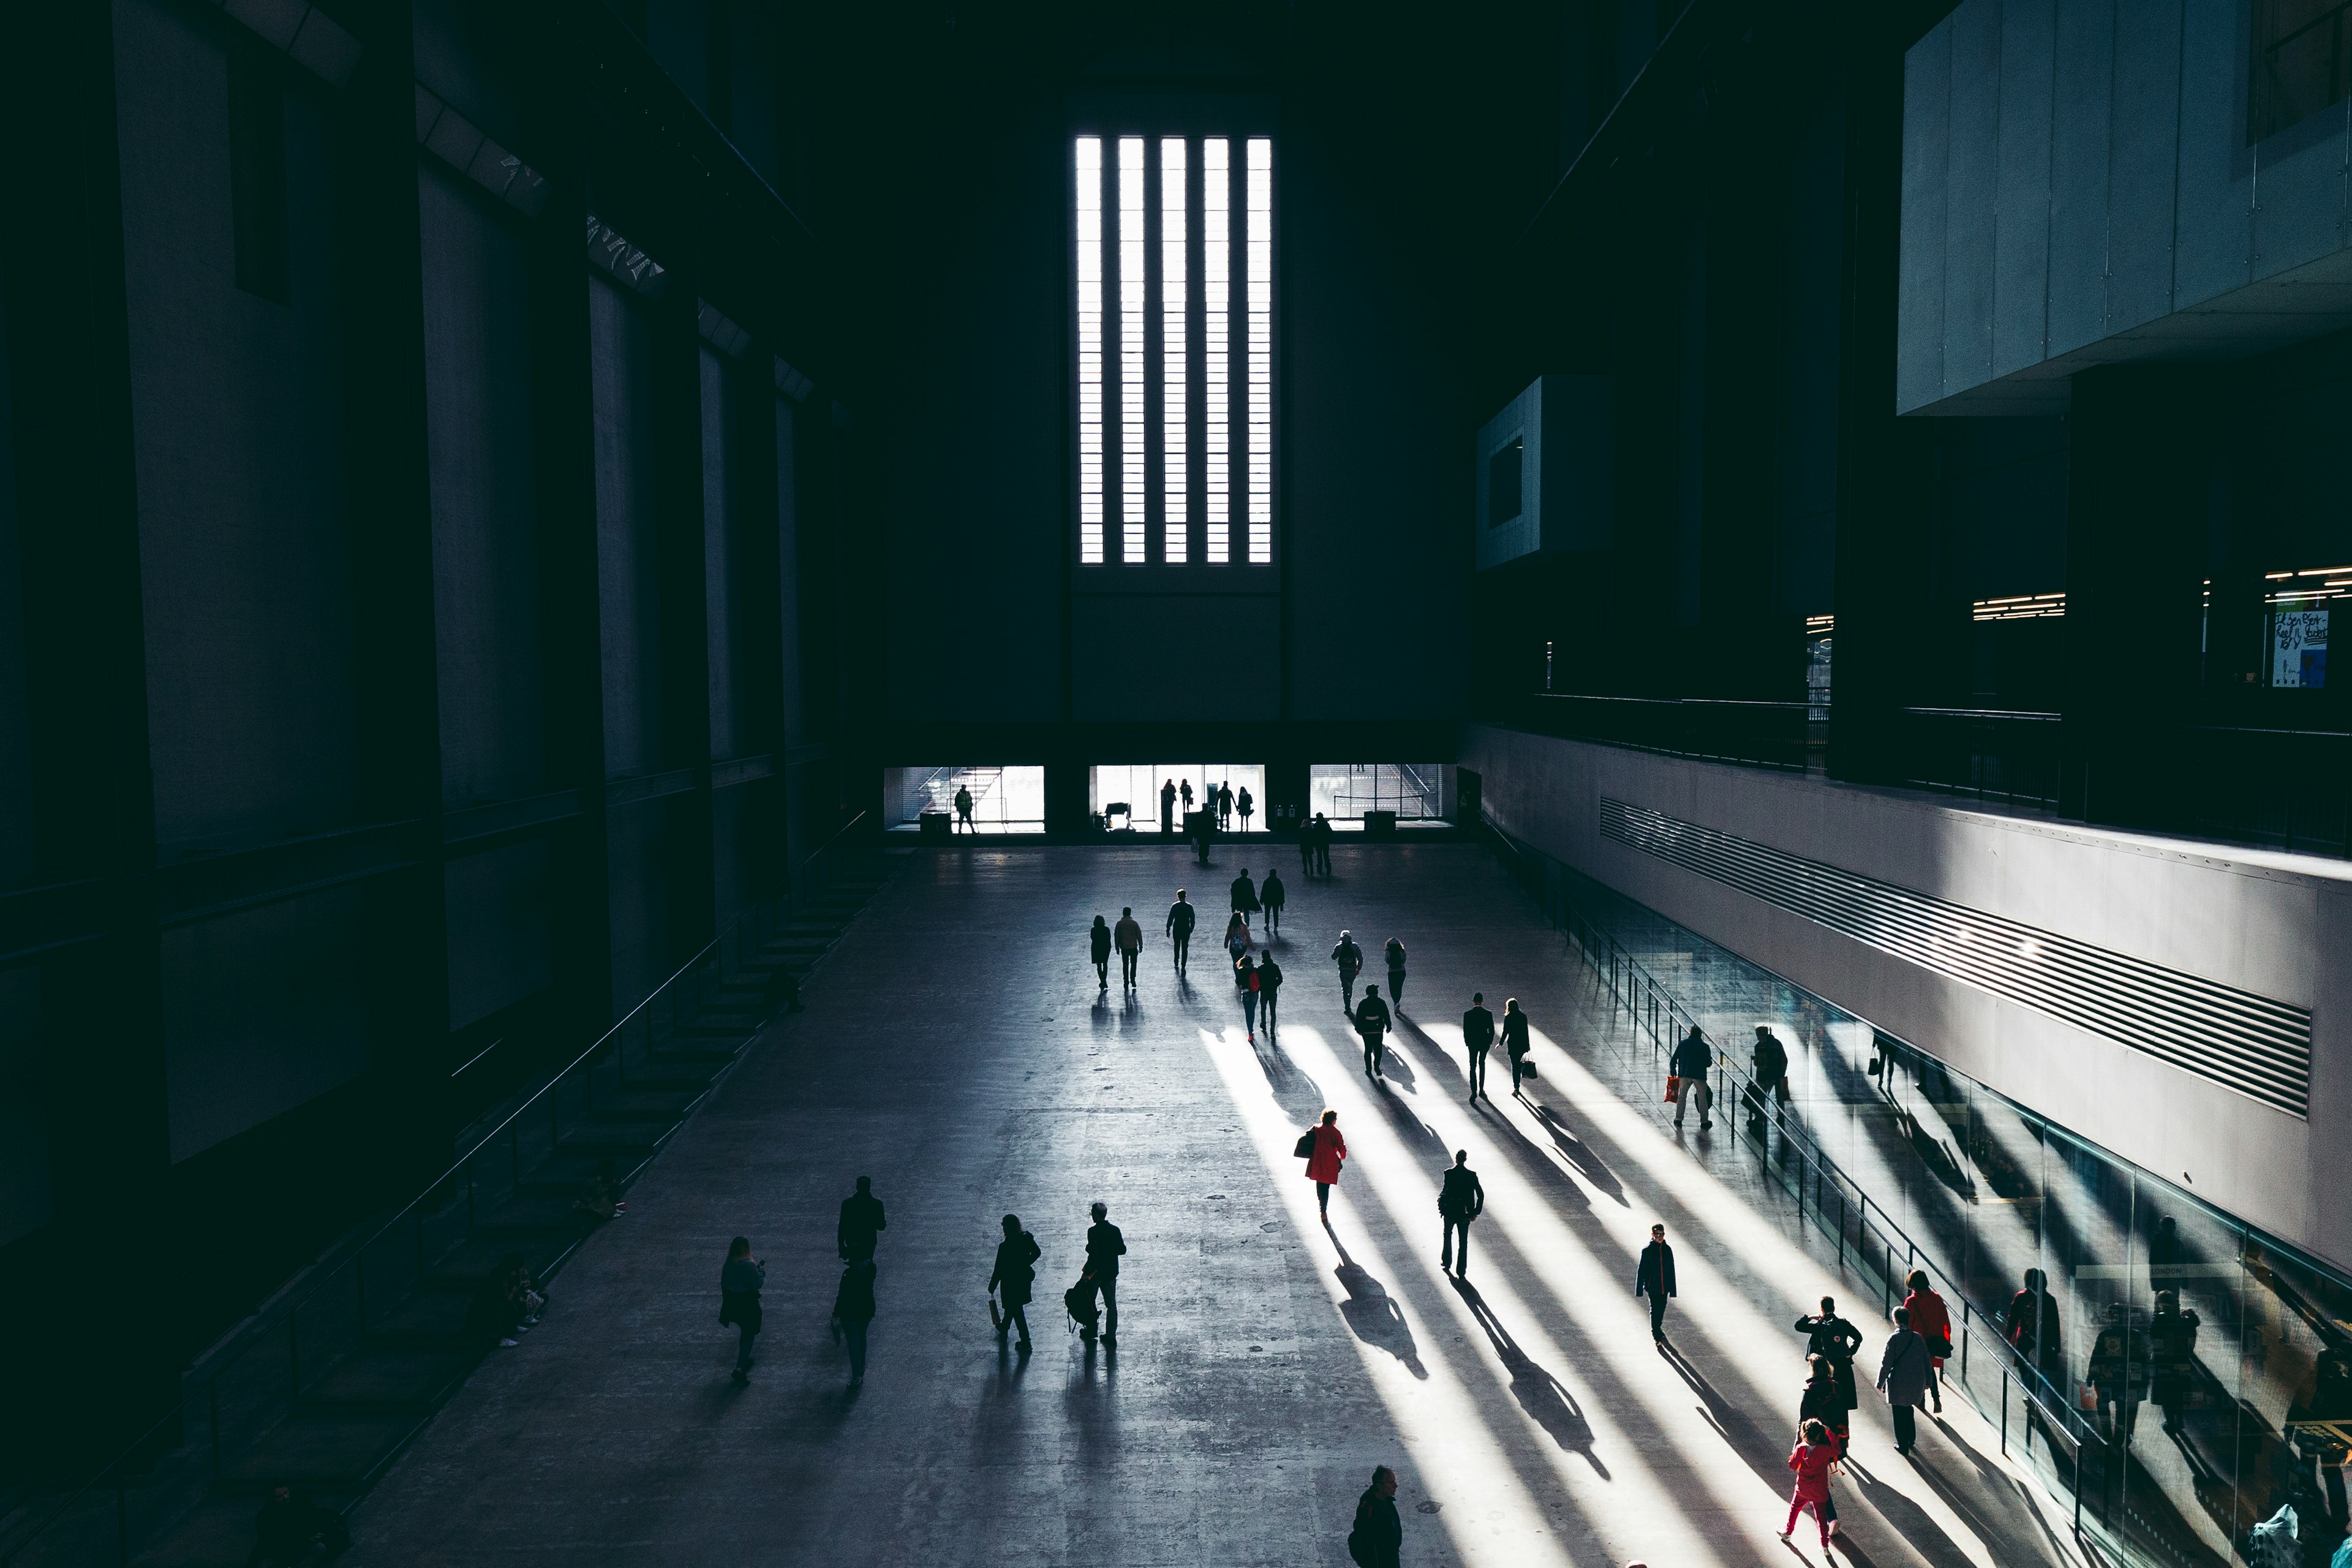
[2077, 189]
[2274, 925]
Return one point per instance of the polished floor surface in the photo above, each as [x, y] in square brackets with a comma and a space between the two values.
[956, 1050]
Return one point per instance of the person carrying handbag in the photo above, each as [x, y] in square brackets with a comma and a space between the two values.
[1932, 1321]
[1015, 1276]
[1324, 1158]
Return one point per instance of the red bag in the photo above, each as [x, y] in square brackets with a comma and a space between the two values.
[1674, 1087]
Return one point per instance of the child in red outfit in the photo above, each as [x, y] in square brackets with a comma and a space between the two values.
[1811, 1462]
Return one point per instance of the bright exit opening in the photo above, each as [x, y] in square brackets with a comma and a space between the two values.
[1127, 795]
[1003, 800]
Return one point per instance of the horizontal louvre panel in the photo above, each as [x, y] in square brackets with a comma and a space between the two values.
[2259, 1047]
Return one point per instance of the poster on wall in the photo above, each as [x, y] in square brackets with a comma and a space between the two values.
[2299, 648]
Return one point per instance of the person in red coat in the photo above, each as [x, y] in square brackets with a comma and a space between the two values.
[1323, 1166]
[1932, 1321]
[1811, 1461]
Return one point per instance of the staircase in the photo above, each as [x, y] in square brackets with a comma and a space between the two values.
[330, 1381]
[939, 788]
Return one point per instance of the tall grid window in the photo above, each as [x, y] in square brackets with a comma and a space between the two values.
[1175, 385]
[1172, 442]
[1261, 351]
[1131, 282]
[1090, 351]
[1217, 380]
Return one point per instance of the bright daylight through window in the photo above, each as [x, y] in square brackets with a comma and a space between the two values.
[1173, 343]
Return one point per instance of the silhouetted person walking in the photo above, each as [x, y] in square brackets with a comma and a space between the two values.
[1246, 804]
[1514, 1040]
[1460, 1198]
[1246, 979]
[1272, 895]
[853, 1313]
[1130, 937]
[1769, 1079]
[1477, 1040]
[1654, 1277]
[1322, 845]
[1168, 806]
[1395, 952]
[1105, 1247]
[1245, 893]
[740, 1279]
[1204, 828]
[1099, 947]
[1691, 1061]
[861, 1221]
[1269, 982]
[964, 823]
[1351, 960]
[1181, 919]
[1377, 1539]
[1902, 1378]
[1224, 806]
[1185, 789]
[1372, 1022]
[1306, 849]
[1835, 1341]
[1323, 1162]
[1014, 1277]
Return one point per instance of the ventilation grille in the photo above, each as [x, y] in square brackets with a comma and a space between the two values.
[2259, 1047]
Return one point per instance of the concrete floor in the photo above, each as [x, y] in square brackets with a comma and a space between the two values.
[955, 1048]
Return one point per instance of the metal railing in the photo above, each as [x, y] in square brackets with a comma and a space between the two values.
[1995, 1377]
[1752, 734]
[238, 1395]
[1989, 753]
[2286, 789]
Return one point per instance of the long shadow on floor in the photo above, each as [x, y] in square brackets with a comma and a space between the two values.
[1292, 1086]
[1740, 1432]
[1418, 1135]
[1372, 1314]
[1577, 1153]
[1543, 1396]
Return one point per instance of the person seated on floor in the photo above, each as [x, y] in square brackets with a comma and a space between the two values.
[600, 1195]
[291, 1529]
[506, 1302]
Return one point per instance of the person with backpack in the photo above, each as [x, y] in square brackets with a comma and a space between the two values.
[1272, 895]
[1269, 984]
[1478, 1038]
[1395, 951]
[1325, 1149]
[1515, 1041]
[1351, 960]
[1098, 948]
[740, 1279]
[1244, 896]
[1372, 1022]
[1237, 939]
[1460, 1198]
[1377, 1538]
[1246, 977]
[1902, 1378]
[1822, 1402]
[1014, 1276]
[1105, 1247]
[1689, 1066]
[964, 823]
[1181, 917]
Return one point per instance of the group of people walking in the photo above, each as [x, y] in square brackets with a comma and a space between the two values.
[743, 1277]
[1910, 1375]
